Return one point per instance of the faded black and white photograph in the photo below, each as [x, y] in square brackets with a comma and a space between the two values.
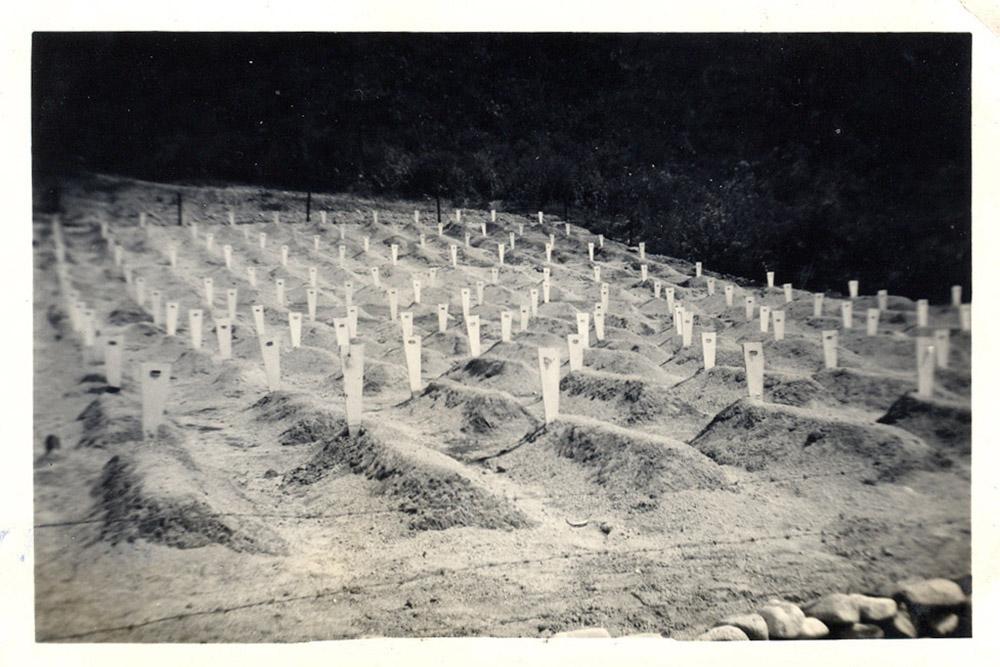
[499, 334]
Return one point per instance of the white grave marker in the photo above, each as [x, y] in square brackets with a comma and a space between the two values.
[597, 274]
[173, 310]
[883, 299]
[466, 296]
[311, 295]
[583, 328]
[750, 307]
[942, 346]
[500, 248]
[279, 291]
[644, 272]
[315, 243]
[423, 240]
[231, 295]
[354, 368]
[926, 358]
[472, 329]
[495, 275]
[710, 283]
[590, 251]
[295, 328]
[599, 322]
[512, 240]
[922, 312]
[194, 325]
[687, 327]
[411, 348]
[313, 277]
[342, 252]
[453, 249]
[171, 255]
[506, 319]
[416, 291]
[272, 364]
[546, 291]
[956, 295]
[140, 290]
[209, 292]
[394, 252]
[393, 304]
[480, 289]
[679, 319]
[548, 253]
[847, 314]
[154, 381]
[366, 241]
[113, 360]
[440, 229]
[642, 250]
[432, 274]
[788, 292]
[765, 318]
[224, 333]
[605, 296]
[406, 324]
[965, 316]
[227, 255]
[770, 278]
[548, 371]
[442, 317]
[817, 305]
[525, 314]
[533, 300]
[352, 321]
[252, 276]
[343, 332]
[468, 239]
[779, 324]
[575, 352]
[154, 305]
[871, 321]
[753, 359]
[852, 288]
[830, 348]
[262, 237]
[708, 349]
[493, 215]
[258, 319]
[600, 240]
[375, 277]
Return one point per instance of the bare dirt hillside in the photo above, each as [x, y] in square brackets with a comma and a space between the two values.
[660, 500]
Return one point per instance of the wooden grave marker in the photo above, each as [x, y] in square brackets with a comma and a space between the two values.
[575, 352]
[272, 363]
[173, 310]
[472, 330]
[753, 359]
[506, 319]
[847, 314]
[708, 349]
[113, 360]
[548, 371]
[411, 349]
[871, 321]
[295, 328]
[442, 311]
[311, 297]
[779, 324]
[354, 368]
[224, 334]
[154, 383]
[194, 326]
[830, 348]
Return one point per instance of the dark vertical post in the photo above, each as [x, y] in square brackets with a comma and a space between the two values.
[180, 204]
[309, 197]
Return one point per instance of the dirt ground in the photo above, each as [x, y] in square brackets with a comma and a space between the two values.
[660, 501]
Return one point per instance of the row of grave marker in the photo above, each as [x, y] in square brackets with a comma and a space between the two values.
[576, 340]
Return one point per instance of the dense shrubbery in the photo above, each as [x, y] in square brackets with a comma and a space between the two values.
[821, 156]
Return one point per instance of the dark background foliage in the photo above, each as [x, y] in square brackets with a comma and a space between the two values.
[820, 156]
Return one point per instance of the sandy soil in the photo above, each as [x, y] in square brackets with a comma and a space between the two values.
[660, 501]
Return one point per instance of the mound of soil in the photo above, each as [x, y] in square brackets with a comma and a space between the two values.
[155, 497]
[630, 324]
[491, 372]
[625, 363]
[944, 423]
[627, 400]
[861, 389]
[110, 420]
[435, 491]
[309, 361]
[471, 421]
[759, 436]
[720, 386]
[622, 461]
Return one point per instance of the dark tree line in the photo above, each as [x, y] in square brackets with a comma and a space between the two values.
[820, 156]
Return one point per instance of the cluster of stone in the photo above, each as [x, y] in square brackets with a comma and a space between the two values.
[918, 608]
